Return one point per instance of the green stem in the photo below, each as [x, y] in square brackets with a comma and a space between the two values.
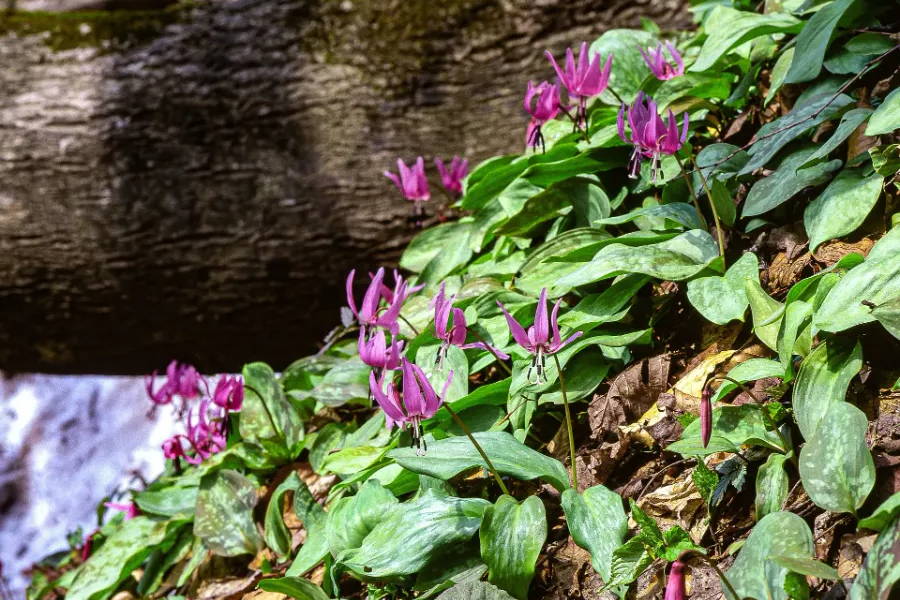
[478, 447]
[719, 235]
[571, 434]
[410, 325]
[613, 92]
[268, 414]
[494, 352]
[690, 186]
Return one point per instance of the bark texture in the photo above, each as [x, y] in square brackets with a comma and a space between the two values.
[195, 182]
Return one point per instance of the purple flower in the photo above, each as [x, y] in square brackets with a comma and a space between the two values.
[650, 136]
[545, 108]
[130, 509]
[411, 181]
[675, 583]
[706, 415]
[418, 400]
[172, 447]
[586, 79]
[455, 334]
[370, 312]
[374, 351]
[659, 66]
[181, 380]
[207, 436]
[452, 176]
[229, 393]
[538, 340]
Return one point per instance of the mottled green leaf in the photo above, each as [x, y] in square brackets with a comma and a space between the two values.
[849, 122]
[823, 380]
[512, 536]
[806, 566]
[628, 69]
[277, 536]
[739, 425]
[771, 486]
[267, 417]
[682, 213]
[883, 515]
[881, 569]
[597, 523]
[749, 370]
[887, 116]
[723, 299]
[787, 181]
[295, 587]
[169, 501]
[728, 28]
[842, 207]
[350, 520]
[813, 40]
[474, 590]
[224, 518]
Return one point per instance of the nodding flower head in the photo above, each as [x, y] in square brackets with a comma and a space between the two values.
[545, 108]
[650, 136]
[586, 78]
[181, 380]
[417, 401]
[675, 583]
[229, 393]
[453, 174]
[706, 415]
[371, 313]
[205, 438]
[542, 338]
[661, 68]
[411, 181]
[374, 351]
[455, 334]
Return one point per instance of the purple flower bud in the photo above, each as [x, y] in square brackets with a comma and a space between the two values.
[130, 509]
[229, 393]
[411, 181]
[658, 64]
[675, 583]
[706, 415]
[452, 176]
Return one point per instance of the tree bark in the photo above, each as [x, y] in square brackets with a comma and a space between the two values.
[196, 182]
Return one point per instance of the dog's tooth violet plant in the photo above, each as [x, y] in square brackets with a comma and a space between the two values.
[719, 394]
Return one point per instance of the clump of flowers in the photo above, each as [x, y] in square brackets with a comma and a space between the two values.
[372, 313]
[583, 79]
[455, 334]
[182, 381]
[650, 136]
[375, 351]
[543, 109]
[661, 68]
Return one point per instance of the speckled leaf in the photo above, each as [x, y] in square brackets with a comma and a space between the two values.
[849, 122]
[887, 116]
[405, 538]
[295, 587]
[749, 370]
[224, 518]
[753, 574]
[823, 380]
[728, 28]
[888, 314]
[764, 308]
[787, 181]
[771, 486]
[351, 519]
[277, 536]
[474, 590]
[597, 523]
[738, 424]
[723, 299]
[267, 417]
[813, 40]
[451, 456]
[882, 516]
[842, 207]
[682, 213]
[806, 566]
[836, 467]
[512, 536]
[881, 570]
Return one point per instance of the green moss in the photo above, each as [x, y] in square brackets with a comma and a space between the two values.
[106, 30]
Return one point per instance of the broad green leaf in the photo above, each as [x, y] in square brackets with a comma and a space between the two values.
[314, 520]
[350, 460]
[779, 71]
[169, 501]
[881, 569]
[875, 281]
[403, 539]
[295, 587]
[224, 517]
[597, 523]
[787, 181]
[721, 199]
[764, 308]
[806, 566]
[695, 447]
[771, 486]
[753, 574]
[813, 40]
[694, 85]
[460, 563]
[431, 242]
[836, 467]
[438, 373]
[854, 54]
[277, 536]
[822, 381]
[739, 425]
[449, 457]
[749, 370]
[719, 162]
[609, 305]
[842, 207]
[350, 520]
[551, 203]
[343, 383]
[888, 314]
[484, 395]
[583, 374]
[474, 590]
[267, 417]
[681, 213]
[791, 339]
[886, 161]
[803, 118]
[628, 69]
[121, 553]
[628, 561]
[512, 536]
[723, 299]
[538, 272]
[883, 515]
[728, 28]
[676, 259]
[849, 122]
[887, 116]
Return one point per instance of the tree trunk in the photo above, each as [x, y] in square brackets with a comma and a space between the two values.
[196, 181]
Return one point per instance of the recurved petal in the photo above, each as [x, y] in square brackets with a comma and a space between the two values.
[517, 331]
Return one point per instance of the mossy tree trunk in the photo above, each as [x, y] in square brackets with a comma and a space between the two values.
[195, 182]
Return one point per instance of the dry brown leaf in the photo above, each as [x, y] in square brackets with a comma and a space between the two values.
[688, 389]
[831, 252]
[678, 503]
[785, 272]
[631, 393]
[226, 589]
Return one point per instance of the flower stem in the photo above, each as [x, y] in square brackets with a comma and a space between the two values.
[690, 186]
[478, 447]
[494, 352]
[262, 401]
[408, 324]
[712, 205]
[562, 388]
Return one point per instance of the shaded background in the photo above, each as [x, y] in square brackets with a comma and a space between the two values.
[195, 180]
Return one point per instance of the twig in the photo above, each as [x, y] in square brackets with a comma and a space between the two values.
[660, 472]
[719, 236]
[562, 388]
[478, 447]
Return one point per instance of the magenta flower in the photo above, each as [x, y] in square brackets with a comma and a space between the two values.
[659, 66]
[675, 583]
[229, 393]
[583, 80]
[418, 400]
[411, 181]
[452, 176]
[706, 415]
[181, 380]
[374, 351]
[650, 136]
[544, 109]
[371, 312]
[207, 436]
[538, 339]
[172, 447]
[455, 334]
[130, 509]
